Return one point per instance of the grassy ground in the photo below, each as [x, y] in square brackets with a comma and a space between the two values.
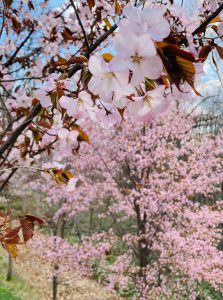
[16, 289]
[32, 281]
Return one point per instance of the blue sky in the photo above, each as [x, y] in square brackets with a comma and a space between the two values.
[56, 3]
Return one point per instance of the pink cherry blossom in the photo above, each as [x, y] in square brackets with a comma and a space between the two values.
[68, 141]
[138, 55]
[151, 21]
[147, 107]
[78, 107]
[71, 184]
[105, 82]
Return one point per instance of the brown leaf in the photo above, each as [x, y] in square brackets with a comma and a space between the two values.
[67, 34]
[188, 71]
[107, 22]
[16, 25]
[12, 249]
[149, 84]
[77, 59]
[37, 135]
[178, 63]
[220, 51]
[43, 124]
[59, 175]
[27, 229]
[121, 112]
[8, 3]
[12, 236]
[91, 3]
[9, 237]
[173, 49]
[35, 219]
[118, 9]
[27, 226]
[205, 50]
[60, 62]
[30, 4]
[216, 20]
[82, 137]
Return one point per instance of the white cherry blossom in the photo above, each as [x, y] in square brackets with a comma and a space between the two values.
[146, 108]
[77, 108]
[68, 141]
[106, 82]
[138, 54]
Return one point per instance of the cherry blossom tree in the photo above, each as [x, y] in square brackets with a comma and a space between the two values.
[55, 77]
[63, 73]
[161, 187]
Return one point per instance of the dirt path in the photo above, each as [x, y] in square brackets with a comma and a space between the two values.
[36, 274]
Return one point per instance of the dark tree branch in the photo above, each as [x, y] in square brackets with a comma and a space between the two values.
[208, 20]
[8, 115]
[12, 139]
[3, 20]
[204, 24]
[7, 179]
[81, 25]
[25, 57]
[23, 78]
[10, 61]
[63, 11]
[101, 39]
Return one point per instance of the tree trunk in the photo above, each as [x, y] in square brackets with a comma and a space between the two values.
[55, 284]
[55, 279]
[143, 251]
[61, 228]
[9, 272]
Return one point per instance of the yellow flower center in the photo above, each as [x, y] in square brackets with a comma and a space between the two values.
[136, 59]
[110, 75]
[147, 99]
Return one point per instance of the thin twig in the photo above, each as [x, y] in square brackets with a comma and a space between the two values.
[24, 78]
[81, 25]
[3, 19]
[208, 20]
[9, 62]
[7, 179]
[22, 167]
[204, 24]
[63, 11]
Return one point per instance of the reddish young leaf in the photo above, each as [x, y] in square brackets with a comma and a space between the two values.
[27, 226]
[220, 51]
[59, 175]
[43, 124]
[16, 25]
[91, 3]
[27, 229]
[35, 219]
[179, 64]
[82, 137]
[30, 4]
[8, 3]
[204, 52]
[12, 236]
[67, 34]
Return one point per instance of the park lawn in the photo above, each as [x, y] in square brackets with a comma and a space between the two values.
[16, 289]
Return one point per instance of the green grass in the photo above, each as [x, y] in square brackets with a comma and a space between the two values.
[6, 295]
[16, 289]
